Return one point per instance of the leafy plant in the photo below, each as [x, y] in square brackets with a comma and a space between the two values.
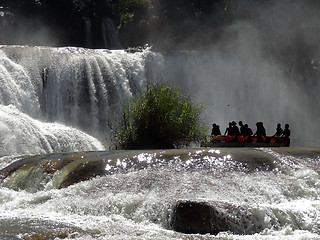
[162, 117]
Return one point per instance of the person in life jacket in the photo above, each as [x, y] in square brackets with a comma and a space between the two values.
[242, 128]
[229, 130]
[238, 137]
[215, 130]
[279, 131]
[261, 132]
[286, 131]
[286, 134]
[247, 133]
[236, 130]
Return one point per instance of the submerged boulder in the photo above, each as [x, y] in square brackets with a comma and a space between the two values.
[33, 173]
[198, 217]
[202, 217]
[37, 229]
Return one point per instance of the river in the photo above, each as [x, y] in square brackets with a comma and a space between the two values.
[274, 193]
[61, 103]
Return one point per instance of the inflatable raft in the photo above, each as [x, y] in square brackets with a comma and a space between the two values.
[241, 141]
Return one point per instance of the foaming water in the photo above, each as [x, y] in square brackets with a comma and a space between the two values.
[59, 103]
[61, 87]
[21, 134]
[84, 89]
[267, 196]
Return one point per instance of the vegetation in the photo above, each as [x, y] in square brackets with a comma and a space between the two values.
[157, 22]
[162, 117]
[161, 23]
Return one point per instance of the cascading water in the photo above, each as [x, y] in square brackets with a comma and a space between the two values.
[85, 88]
[88, 31]
[109, 34]
[263, 193]
[72, 86]
[21, 134]
[55, 100]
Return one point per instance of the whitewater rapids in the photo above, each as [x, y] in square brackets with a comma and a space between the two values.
[58, 103]
[135, 197]
[56, 97]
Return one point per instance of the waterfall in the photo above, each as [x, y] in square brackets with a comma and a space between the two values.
[6, 22]
[88, 32]
[79, 88]
[17, 87]
[101, 33]
[109, 34]
[21, 135]
[84, 89]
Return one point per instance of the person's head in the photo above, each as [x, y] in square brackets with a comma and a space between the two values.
[278, 125]
[240, 123]
[234, 123]
[286, 126]
[246, 125]
[213, 125]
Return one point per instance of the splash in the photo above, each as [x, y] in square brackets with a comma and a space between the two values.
[260, 193]
[20, 134]
[85, 88]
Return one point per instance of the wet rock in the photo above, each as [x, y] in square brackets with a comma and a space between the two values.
[28, 229]
[82, 172]
[198, 217]
[193, 217]
[32, 173]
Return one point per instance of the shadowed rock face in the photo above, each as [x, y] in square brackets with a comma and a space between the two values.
[212, 217]
[198, 217]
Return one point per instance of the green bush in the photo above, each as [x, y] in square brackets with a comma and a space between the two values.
[161, 117]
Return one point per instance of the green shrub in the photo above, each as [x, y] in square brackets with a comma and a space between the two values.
[161, 117]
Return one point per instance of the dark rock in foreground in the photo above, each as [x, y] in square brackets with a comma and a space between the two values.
[198, 217]
[194, 217]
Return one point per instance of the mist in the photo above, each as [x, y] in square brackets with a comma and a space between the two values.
[17, 29]
[263, 67]
[262, 64]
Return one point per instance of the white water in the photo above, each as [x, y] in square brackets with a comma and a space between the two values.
[64, 99]
[84, 88]
[283, 203]
[21, 135]
[51, 95]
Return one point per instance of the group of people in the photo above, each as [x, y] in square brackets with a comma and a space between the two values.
[245, 131]
[282, 132]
